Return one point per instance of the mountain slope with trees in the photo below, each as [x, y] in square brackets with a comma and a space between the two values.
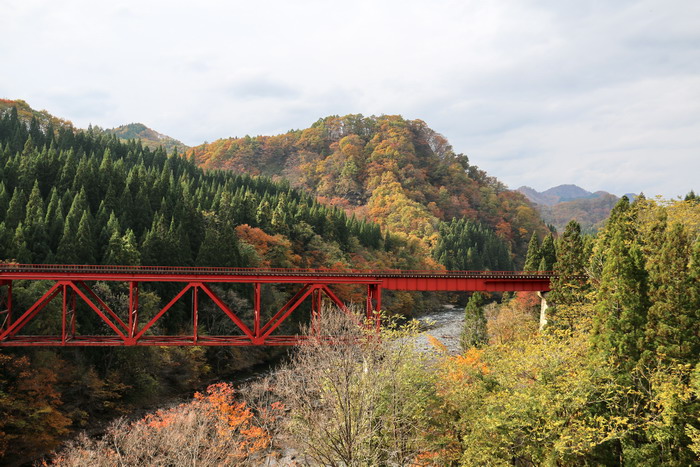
[560, 204]
[396, 172]
[149, 137]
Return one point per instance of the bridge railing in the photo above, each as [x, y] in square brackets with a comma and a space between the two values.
[197, 270]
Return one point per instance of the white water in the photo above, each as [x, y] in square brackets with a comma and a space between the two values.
[445, 325]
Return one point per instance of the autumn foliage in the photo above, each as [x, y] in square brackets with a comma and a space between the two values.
[30, 419]
[213, 429]
[396, 172]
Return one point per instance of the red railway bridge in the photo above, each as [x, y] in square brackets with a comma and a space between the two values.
[72, 283]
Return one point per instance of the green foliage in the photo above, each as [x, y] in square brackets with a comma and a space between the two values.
[671, 330]
[533, 258]
[474, 332]
[622, 294]
[528, 402]
[465, 245]
[614, 380]
[548, 253]
[570, 285]
[162, 199]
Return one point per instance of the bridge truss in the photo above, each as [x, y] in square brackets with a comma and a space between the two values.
[72, 285]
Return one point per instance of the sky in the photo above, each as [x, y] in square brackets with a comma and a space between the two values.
[602, 94]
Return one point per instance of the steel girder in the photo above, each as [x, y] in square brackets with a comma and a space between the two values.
[71, 283]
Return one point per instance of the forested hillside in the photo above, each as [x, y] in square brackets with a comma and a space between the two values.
[591, 213]
[149, 137]
[563, 203]
[396, 172]
[26, 114]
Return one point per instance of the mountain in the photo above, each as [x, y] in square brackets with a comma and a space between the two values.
[396, 172]
[591, 213]
[149, 138]
[557, 194]
[560, 204]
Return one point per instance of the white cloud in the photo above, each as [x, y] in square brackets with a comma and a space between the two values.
[601, 94]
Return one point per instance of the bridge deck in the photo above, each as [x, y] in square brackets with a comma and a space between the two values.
[394, 279]
[71, 285]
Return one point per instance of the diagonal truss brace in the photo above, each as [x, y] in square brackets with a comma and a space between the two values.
[127, 332]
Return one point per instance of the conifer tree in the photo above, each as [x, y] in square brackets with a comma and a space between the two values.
[123, 250]
[474, 329]
[6, 236]
[622, 301]
[15, 210]
[55, 224]
[35, 227]
[672, 326]
[86, 241]
[569, 285]
[533, 256]
[67, 251]
[20, 251]
[4, 198]
[548, 252]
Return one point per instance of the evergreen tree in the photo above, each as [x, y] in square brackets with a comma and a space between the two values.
[533, 256]
[672, 326]
[465, 245]
[569, 285]
[4, 198]
[219, 248]
[548, 252]
[86, 241]
[622, 302]
[67, 251]
[15, 211]
[123, 250]
[474, 329]
[35, 227]
[54, 223]
[20, 251]
[6, 245]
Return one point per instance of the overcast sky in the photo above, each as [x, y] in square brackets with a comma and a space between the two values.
[603, 94]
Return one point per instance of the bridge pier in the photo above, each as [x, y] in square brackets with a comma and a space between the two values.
[374, 295]
[6, 305]
[543, 309]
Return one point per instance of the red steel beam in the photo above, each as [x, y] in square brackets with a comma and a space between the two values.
[70, 282]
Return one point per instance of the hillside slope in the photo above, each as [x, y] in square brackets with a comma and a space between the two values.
[149, 137]
[396, 172]
[591, 213]
[26, 113]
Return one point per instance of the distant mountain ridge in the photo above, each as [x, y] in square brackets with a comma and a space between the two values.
[560, 204]
[558, 194]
